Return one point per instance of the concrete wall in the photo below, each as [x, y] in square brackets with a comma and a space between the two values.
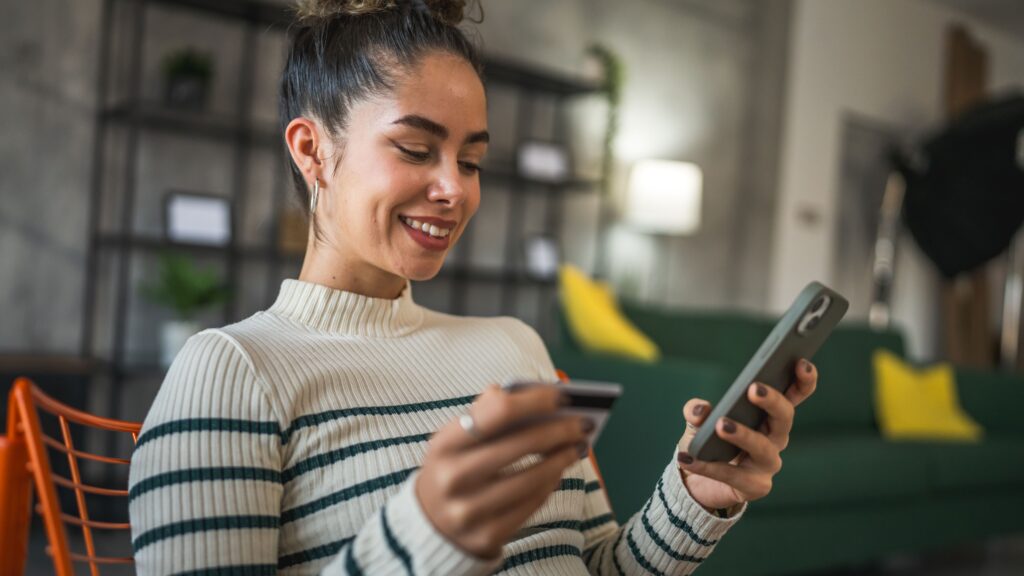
[882, 60]
[704, 83]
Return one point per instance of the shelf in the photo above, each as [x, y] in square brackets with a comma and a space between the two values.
[493, 275]
[157, 117]
[510, 175]
[155, 244]
[254, 11]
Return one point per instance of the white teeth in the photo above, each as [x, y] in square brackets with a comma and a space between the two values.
[427, 228]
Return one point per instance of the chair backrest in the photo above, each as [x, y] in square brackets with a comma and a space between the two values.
[26, 440]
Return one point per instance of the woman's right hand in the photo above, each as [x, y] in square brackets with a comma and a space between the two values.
[463, 487]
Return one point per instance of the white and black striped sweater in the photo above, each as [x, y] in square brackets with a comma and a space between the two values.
[288, 443]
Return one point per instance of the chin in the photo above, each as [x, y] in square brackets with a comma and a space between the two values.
[422, 271]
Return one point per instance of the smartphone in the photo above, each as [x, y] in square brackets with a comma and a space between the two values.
[799, 334]
[589, 399]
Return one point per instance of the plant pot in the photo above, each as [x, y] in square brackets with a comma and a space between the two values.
[173, 335]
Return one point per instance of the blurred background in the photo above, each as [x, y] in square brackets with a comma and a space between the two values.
[702, 159]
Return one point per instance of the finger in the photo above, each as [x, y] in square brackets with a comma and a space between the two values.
[696, 411]
[761, 453]
[514, 491]
[483, 462]
[780, 410]
[747, 482]
[805, 382]
[494, 530]
[495, 410]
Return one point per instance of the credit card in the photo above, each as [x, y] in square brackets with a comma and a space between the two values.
[587, 398]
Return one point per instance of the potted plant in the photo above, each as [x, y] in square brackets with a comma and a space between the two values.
[187, 75]
[187, 290]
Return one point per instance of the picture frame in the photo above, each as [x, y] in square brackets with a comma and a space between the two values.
[197, 218]
[543, 161]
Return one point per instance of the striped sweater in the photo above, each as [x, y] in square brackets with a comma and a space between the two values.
[289, 443]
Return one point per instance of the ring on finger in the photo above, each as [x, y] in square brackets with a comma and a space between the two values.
[469, 425]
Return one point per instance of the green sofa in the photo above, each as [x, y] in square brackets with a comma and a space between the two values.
[845, 497]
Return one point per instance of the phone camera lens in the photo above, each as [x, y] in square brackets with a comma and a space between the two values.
[813, 322]
[818, 304]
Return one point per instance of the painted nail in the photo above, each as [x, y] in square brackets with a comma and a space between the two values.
[807, 367]
[685, 458]
[729, 427]
[699, 409]
[564, 399]
[587, 425]
[761, 390]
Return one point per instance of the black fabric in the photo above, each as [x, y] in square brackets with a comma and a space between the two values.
[965, 202]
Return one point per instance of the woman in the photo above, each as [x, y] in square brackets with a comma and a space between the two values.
[347, 430]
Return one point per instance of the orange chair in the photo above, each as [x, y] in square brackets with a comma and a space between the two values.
[24, 462]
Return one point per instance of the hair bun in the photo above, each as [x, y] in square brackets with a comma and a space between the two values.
[450, 12]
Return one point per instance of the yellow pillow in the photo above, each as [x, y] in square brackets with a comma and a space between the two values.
[913, 404]
[595, 320]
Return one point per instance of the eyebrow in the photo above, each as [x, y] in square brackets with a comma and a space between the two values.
[428, 125]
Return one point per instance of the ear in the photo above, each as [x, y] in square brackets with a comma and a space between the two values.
[302, 136]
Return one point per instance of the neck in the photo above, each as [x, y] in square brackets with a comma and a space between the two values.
[332, 271]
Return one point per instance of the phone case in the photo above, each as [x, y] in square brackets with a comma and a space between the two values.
[799, 334]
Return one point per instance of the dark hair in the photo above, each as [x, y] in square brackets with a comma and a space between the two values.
[342, 51]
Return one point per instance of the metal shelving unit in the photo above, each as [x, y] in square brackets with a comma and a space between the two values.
[134, 117]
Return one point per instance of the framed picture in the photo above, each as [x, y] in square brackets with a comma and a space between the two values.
[541, 256]
[543, 161]
[197, 218]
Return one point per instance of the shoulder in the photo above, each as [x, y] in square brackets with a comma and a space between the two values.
[212, 377]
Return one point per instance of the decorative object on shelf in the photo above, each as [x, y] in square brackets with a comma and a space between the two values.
[187, 290]
[664, 200]
[541, 256]
[292, 231]
[197, 218]
[543, 161]
[187, 75]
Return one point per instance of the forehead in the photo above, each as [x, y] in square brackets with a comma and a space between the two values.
[446, 89]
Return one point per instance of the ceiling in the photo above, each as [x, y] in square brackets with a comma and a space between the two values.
[1006, 15]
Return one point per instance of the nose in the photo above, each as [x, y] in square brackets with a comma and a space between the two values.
[447, 187]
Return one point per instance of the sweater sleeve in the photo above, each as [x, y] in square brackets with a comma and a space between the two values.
[672, 533]
[205, 483]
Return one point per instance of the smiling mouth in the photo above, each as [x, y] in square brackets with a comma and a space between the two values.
[432, 230]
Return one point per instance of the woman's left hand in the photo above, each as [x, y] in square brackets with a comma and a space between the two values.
[747, 477]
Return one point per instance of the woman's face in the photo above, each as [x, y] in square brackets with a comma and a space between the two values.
[409, 161]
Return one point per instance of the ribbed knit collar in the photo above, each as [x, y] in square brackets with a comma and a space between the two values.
[337, 311]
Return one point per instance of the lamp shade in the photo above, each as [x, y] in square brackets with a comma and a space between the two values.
[664, 197]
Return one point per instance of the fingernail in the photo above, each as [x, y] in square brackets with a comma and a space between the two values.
[699, 409]
[761, 390]
[728, 426]
[808, 368]
[587, 425]
[564, 399]
[685, 458]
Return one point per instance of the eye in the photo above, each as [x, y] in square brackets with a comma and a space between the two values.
[413, 154]
[471, 167]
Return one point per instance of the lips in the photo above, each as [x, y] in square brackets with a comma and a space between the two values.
[428, 234]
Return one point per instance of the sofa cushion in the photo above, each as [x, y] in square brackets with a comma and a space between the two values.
[997, 462]
[919, 403]
[848, 470]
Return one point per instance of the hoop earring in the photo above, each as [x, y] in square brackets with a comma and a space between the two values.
[316, 194]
